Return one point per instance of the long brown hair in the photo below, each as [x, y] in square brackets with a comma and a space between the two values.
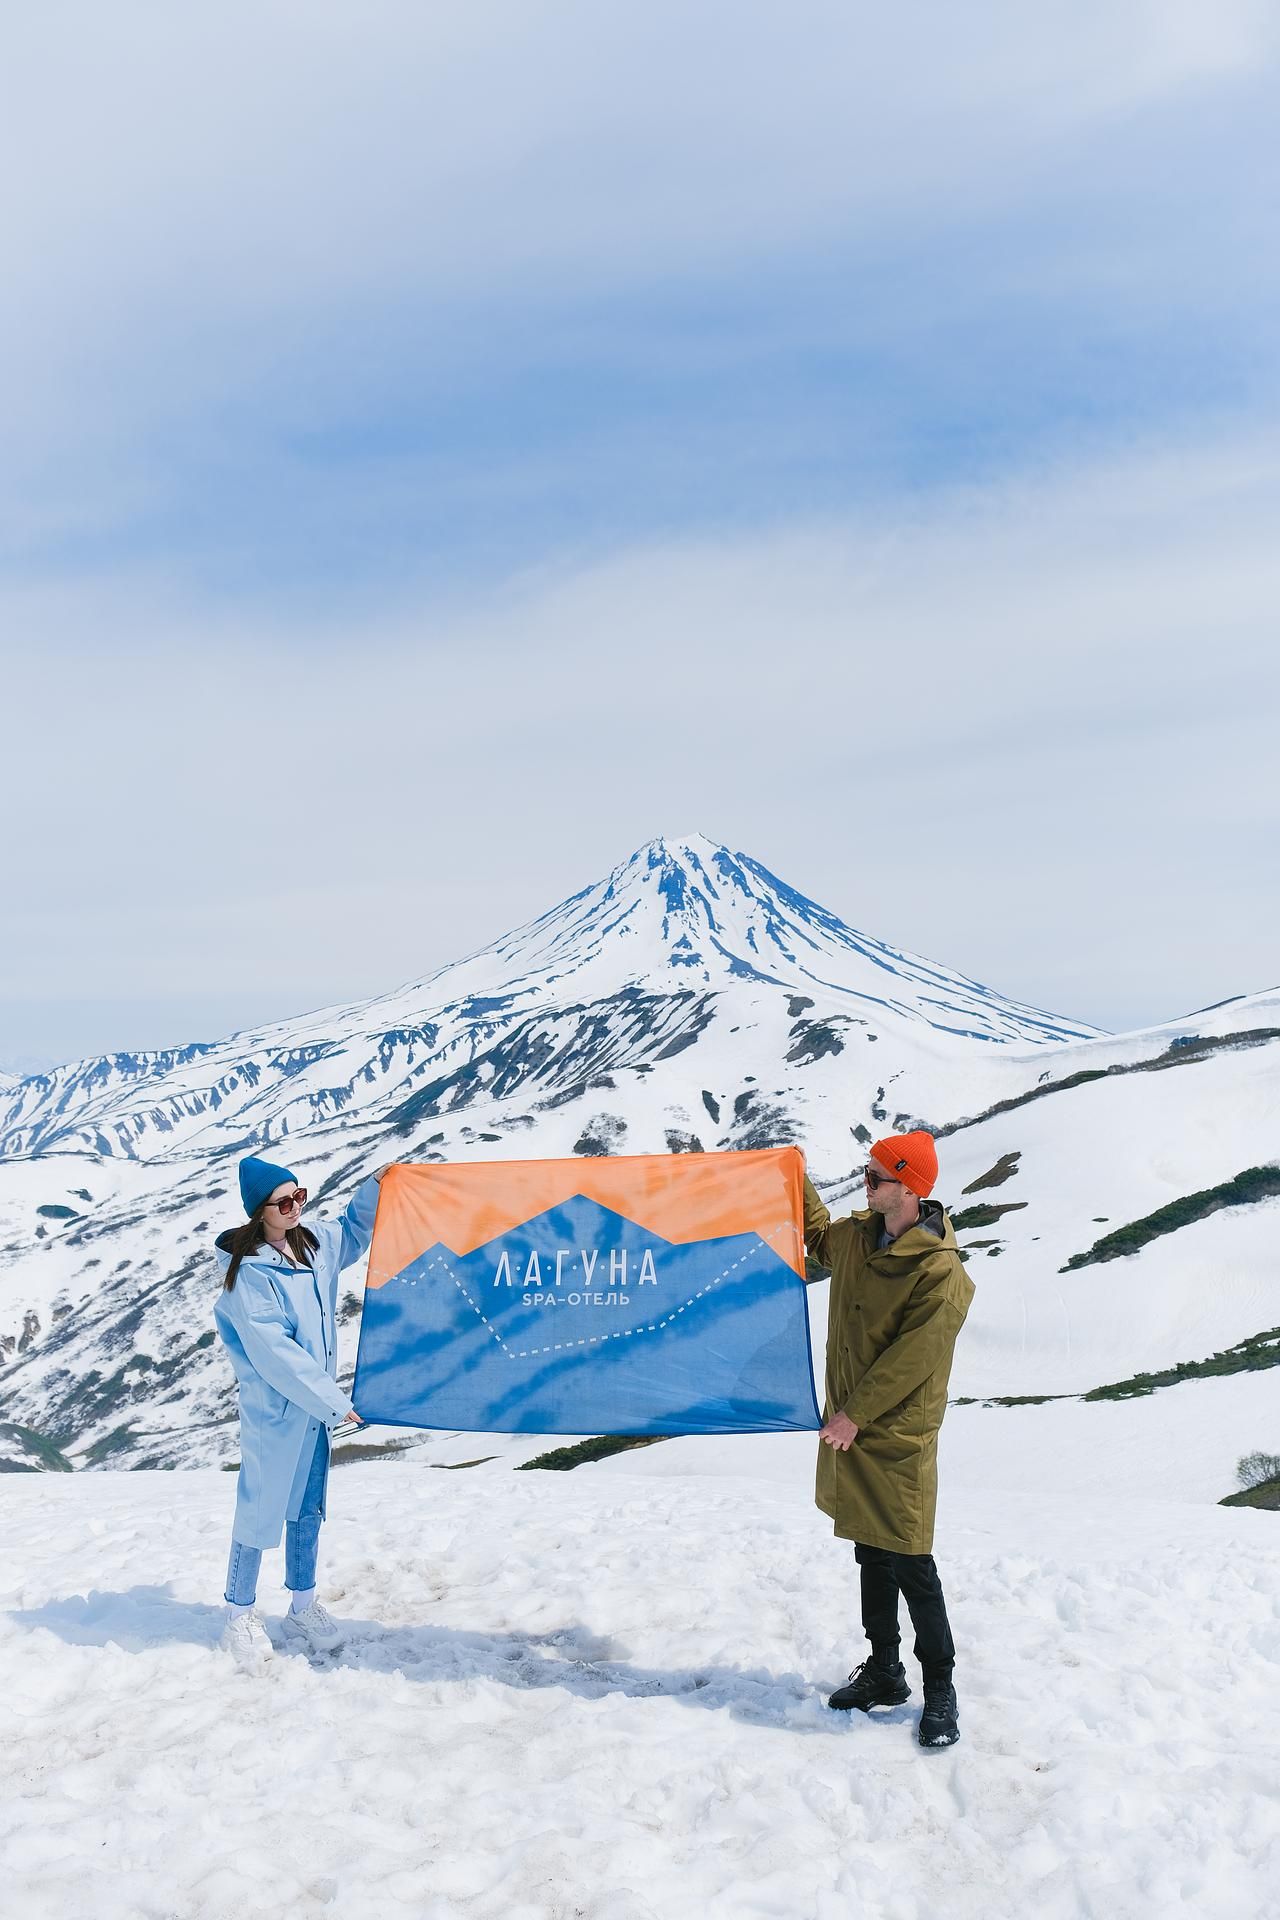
[242, 1241]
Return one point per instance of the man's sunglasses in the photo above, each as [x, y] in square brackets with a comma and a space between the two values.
[874, 1178]
[298, 1198]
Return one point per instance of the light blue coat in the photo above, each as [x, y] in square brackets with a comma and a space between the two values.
[278, 1325]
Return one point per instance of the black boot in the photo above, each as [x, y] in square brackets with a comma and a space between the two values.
[940, 1721]
[876, 1683]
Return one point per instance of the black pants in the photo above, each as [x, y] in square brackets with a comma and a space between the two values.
[914, 1576]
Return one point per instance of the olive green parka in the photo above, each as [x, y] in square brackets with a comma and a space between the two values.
[892, 1324]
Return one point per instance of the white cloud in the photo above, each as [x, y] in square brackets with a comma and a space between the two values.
[241, 225]
[1049, 707]
[260, 160]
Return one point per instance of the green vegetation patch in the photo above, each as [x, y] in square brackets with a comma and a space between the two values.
[1247, 1356]
[348, 1454]
[1265, 1495]
[45, 1457]
[1246, 1190]
[119, 1440]
[564, 1459]
[1012, 1400]
[1004, 1169]
[985, 1214]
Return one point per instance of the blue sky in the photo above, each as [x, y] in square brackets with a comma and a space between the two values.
[467, 406]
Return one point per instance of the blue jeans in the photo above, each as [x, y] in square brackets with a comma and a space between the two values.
[301, 1541]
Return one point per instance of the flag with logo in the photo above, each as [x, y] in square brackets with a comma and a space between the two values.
[662, 1293]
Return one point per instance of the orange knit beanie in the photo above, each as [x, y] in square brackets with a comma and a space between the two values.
[909, 1157]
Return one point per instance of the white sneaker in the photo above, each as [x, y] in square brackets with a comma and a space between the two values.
[245, 1638]
[313, 1629]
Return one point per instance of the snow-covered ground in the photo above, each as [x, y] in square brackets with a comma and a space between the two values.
[599, 1696]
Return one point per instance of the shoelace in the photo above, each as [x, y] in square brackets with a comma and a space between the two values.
[316, 1616]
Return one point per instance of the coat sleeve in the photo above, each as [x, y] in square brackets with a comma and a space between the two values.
[258, 1320]
[924, 1341]
[356, 1224]
[817, 1226]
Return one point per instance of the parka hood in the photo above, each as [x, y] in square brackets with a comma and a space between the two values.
[931, 1232]
[223, 1246]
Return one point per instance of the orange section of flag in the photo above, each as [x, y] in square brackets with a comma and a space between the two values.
[681, 1196]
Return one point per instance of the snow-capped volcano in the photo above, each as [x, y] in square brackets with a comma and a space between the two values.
[694, 913]
[678, 925]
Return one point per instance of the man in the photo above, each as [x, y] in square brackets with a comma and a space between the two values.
[899, 1295]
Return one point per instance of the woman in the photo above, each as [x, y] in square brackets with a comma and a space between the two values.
[275, 1316]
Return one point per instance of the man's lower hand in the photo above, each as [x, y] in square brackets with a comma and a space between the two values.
[839, 1432]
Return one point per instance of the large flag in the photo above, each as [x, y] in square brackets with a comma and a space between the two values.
[658, 1294]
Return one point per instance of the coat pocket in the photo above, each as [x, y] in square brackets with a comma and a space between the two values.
[273, 1404]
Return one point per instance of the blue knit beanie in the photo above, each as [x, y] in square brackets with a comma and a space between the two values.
[258, 1178]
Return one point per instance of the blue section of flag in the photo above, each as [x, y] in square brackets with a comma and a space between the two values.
[579, 1321]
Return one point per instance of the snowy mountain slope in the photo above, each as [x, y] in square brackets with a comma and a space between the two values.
[105, 1274]
[1097, 1154]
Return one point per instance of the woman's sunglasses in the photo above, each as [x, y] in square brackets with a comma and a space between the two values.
[298, 1198]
